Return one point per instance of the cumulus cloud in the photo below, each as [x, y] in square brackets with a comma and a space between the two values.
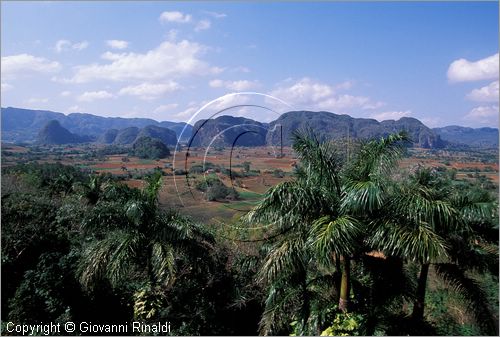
[488, 93]
[80, 45]
[90, 96]
[148, 91]
[203, 25]
[6, 87]
[74, 108]
[310, 94]
[165, 108]
[25, 63]
[65, 93]
[175, 16]
[462, 70]
[386, 115]
[64, 45]
[169, 59]
[485, 114]
[240, 85]
[117, 44]
[112, 56]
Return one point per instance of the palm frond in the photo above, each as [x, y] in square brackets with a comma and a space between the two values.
[363, 196]
[162, 260]
[108, 258]
[287, 257]
[280, 304]
[377, 158]
[419, 243]
[334, 236]
[472, 293]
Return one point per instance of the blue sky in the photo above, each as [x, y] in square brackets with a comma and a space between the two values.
[437, 62]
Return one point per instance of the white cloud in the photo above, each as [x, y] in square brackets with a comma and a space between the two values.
[172, 35]
[63, 45]
[309, 94]
[112, 56]
[6, 87]
[431, 122]
[186, 114]
[90, 96]
[240, 85]
[462, 70]
[228, 101]
[25, 63]
[74, 108]
[65, 93]
[36, 100]
[80, 45]
[148, 91]
[241, 69]
[117, 44]
[485, 114]
[175, 16]
[216, 15]
[488, 93]
[169, 59]
[165, 108]
[386, 115]
[203, 25]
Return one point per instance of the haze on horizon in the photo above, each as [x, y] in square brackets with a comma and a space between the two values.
[437, 62]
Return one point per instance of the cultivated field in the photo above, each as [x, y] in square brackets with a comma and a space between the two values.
[266, 168]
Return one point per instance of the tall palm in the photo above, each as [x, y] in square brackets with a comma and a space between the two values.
[290, 208]
[317, 216]
[427, 224]
[134, 238]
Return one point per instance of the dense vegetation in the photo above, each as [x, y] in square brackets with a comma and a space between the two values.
[350, 246]
[149, 148]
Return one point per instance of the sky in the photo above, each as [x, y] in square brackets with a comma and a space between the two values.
[435, 61]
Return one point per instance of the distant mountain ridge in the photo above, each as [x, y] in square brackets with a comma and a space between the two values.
[481, 137]
[24, 125]
[333, 126]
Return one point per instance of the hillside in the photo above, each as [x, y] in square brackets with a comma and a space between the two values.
[23, 125]
[333, 126]
[228, 130]
[167, 136]
[482, 137]
[52, 133]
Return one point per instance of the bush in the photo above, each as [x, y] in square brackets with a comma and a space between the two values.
[215, 189]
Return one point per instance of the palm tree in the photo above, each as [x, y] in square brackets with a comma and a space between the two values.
[430, 223]
[317, 216]
[134, 238]
[290, 208]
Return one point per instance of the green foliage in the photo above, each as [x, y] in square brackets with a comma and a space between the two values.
[346, 324]
[215, 189]
[150, 148]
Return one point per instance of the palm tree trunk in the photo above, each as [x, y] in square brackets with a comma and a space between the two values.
[418, 306]
[345, 285]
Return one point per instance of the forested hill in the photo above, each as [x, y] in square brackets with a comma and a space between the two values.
[23, 125]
